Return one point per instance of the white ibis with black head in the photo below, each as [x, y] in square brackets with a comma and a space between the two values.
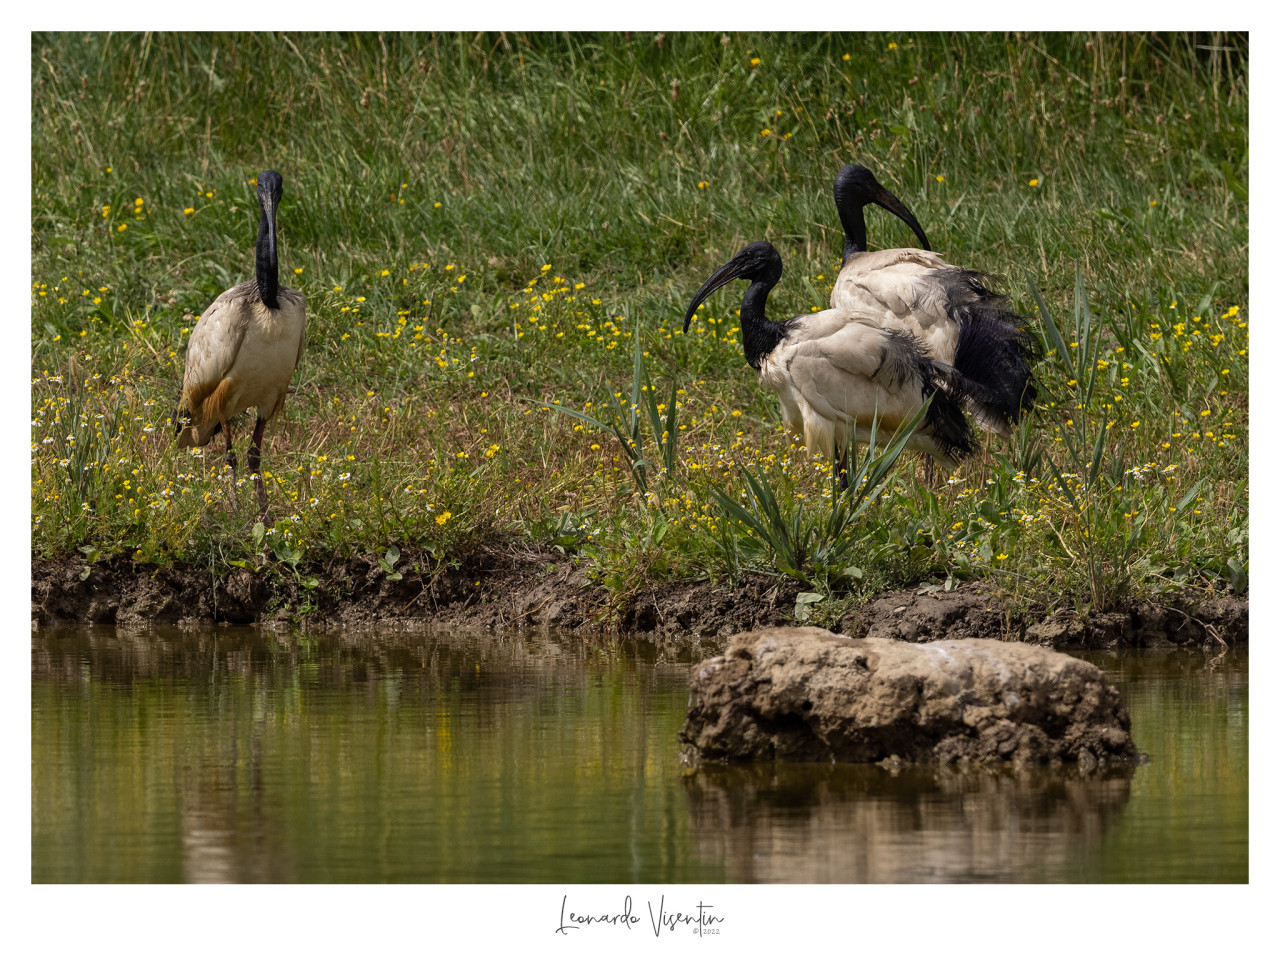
[837, 370]
[244, 350]
[950, 310]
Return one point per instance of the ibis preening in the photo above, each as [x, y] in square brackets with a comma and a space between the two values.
[949, 310]
[244, 349]
[837, 370]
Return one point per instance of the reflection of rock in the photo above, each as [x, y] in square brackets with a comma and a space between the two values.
[208, 833]
[843, 823]
[229, 825]
[803, 694]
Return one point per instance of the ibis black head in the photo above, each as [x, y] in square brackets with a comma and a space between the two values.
[270, 190]
[759, 261]
[857, 187]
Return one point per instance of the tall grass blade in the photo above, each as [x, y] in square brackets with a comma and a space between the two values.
[1089, 343]
[637, 375]
[1066, 490]
[1189, 498]
[1084, 319]
[1055, 336]
[1207, 301]
[1096, 462]
[630, 446]
[669, 447]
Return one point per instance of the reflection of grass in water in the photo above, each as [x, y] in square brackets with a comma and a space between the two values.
[1190, 817]
[422, 759]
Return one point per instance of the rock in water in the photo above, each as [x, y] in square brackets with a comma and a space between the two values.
[804, 694]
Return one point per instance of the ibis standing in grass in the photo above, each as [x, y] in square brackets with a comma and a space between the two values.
[244, 349]
[949, 310]
[836, 371]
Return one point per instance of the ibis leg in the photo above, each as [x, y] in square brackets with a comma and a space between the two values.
[928, 471]
[255, 471]
[229, 457]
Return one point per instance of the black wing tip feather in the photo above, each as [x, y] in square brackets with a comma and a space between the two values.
[995, 350]
[947, 423]
[905, 357]
[997, 355]
[966, 286]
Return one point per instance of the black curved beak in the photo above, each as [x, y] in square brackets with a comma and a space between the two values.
[729, 271]
[889, 202]
[269, 210]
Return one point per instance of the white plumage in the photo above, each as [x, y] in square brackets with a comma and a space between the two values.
[836, 372]
[896, 286]
[244, 350]
[949, 310]
[240, 355]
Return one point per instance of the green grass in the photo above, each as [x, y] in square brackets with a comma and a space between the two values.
[482, 224]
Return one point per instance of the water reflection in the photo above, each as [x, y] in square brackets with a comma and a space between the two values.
[475, 756]
[843, 823]
[430, 756]
[226, 829]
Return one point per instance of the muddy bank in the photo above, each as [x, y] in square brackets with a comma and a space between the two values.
[513, 585]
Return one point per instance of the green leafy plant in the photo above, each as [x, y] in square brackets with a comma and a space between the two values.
[388, 564]
[625, 424]
[290, 554]
[803, 543]
[565, 531]
[91, 556]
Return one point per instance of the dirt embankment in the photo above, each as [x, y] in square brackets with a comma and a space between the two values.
[506, 587]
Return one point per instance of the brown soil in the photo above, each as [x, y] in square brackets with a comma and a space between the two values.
[525, 586]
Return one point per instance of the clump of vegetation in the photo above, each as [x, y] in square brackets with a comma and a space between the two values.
[497, 236]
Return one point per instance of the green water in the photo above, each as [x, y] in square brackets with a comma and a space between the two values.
[239, 755]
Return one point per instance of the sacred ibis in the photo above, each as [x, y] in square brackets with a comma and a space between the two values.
[244, 349]
[835, 371]
[950, 310]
